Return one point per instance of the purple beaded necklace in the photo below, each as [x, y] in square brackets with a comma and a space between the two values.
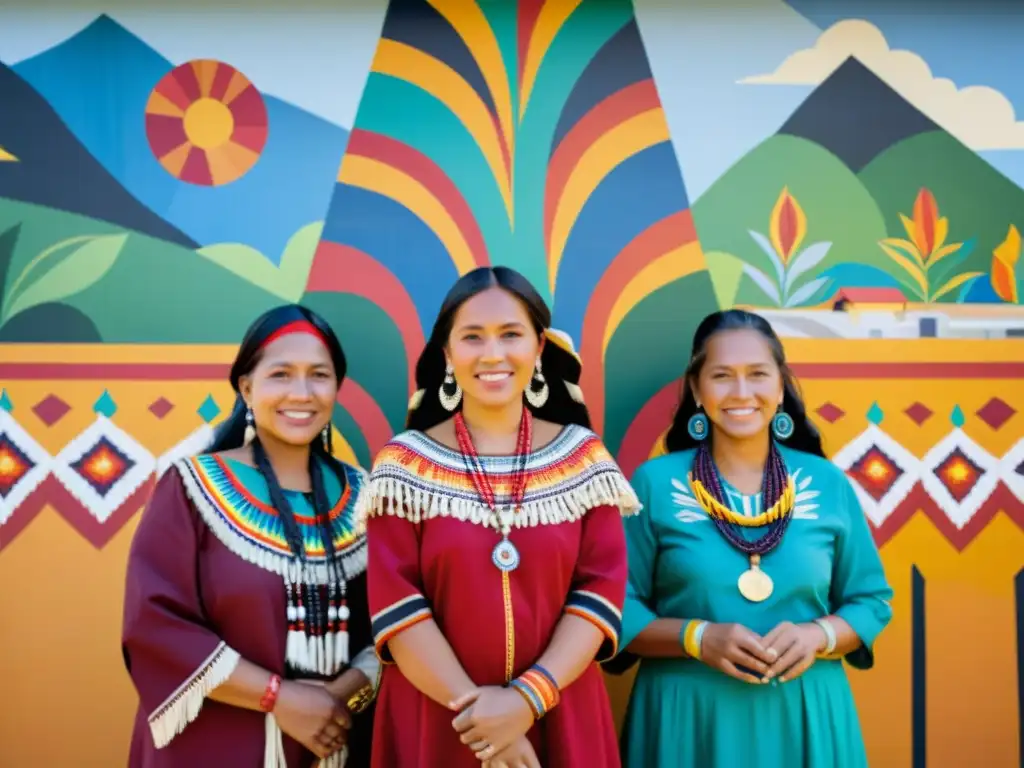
[772, 487]
[754, 584]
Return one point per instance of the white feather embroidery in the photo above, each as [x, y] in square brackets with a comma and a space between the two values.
[692, 512]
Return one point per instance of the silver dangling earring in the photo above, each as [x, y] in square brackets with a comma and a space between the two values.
[325, 435]
[250, 427]
[449, 401]
[537, 397]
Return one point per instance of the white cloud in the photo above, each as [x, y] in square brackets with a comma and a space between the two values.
[981, 117]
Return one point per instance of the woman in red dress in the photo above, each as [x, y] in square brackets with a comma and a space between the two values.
[246, 628]
[497, 562]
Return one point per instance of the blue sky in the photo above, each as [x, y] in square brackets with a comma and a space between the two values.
[972, 42]
[699, 50]
[321, 50]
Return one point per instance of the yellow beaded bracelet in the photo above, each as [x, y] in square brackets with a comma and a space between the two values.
[692, 636]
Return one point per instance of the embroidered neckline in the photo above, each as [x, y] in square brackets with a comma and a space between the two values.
[417, 478]
[252, 529]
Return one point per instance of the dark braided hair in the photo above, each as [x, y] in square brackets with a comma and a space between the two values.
[805, 435]
[231, 433]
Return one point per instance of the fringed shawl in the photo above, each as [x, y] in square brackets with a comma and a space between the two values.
[418, 478]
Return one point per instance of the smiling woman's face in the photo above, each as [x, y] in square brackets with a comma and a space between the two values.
[740, 385]
[493, 348]
[292, 389]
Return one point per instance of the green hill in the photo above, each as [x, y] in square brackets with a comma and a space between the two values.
[978, 200]
[72, 278]
[837, 206]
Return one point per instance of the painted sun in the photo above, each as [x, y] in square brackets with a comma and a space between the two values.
[206, 123]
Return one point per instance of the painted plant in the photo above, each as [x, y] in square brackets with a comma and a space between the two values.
[926, 265]
[1006, 283]
[792, 282]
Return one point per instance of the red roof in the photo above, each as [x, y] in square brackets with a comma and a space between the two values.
[880, 295]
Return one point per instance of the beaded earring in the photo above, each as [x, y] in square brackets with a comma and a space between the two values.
[697, 426]
[250, 427]
[449, 401]
[537, 397]
[782, 425]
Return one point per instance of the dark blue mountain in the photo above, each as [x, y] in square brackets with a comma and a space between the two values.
[99, 82]
[54, 169]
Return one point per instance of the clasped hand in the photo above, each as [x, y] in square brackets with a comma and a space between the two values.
[493, 722]
[785, 653]
[314, 713]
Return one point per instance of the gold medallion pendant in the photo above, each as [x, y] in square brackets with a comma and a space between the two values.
[754, 584]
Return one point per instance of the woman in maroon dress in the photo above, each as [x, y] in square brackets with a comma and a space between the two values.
[246, 627]
[497, 561]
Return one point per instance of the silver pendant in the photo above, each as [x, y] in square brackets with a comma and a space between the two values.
[505, 556]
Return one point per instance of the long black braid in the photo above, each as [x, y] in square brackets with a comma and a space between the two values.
[321, 504]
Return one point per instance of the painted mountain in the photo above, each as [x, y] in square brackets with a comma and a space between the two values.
[99, 82]
[50, 167]
[856, 156]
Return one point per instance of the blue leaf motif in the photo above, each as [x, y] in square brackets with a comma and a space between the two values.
[808, 258]
[769, 250]
[763, 282]
[805, 292]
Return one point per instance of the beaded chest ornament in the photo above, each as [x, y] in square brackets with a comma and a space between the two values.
[505, 556]
[778, 494]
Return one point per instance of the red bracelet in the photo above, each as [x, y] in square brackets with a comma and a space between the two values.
[269, 698]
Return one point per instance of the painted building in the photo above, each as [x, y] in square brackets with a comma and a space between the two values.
[167, 171]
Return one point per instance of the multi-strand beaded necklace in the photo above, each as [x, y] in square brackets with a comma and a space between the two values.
[778, 496]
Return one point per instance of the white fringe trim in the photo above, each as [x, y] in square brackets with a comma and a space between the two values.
[397, 497]
[353, 558]
[183, 706]
[323, 655]
[273, 751]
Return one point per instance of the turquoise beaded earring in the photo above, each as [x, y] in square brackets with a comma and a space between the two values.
[782, 425]
[697, 426]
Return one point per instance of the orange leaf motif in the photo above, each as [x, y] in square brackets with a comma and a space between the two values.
[1004, 267]
[787, 226]
[926, 214]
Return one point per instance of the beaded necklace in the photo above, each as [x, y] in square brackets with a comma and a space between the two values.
[505, 556]
[778, 494]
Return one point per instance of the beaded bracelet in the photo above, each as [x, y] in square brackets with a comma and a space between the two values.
[691, 637]
[830, 637]
[269, 698]
[539, 688]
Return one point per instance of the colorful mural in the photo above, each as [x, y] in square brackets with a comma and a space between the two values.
[855, 178]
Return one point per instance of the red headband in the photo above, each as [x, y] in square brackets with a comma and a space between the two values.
[298, 326]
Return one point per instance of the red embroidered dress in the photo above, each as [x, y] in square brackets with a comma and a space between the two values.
[430, 538]
[211, 580]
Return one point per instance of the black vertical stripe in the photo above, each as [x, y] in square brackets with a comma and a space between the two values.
[1018, 591]
[919, 670]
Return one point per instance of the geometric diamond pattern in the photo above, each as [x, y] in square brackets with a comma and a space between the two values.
[919, 413]
[876, 472]
[14, 465]
[161, 407]
[995, 412]
[883, 472]
[24, 465]
[103, 467]
[50, 410]
[830, 412]
[959, 475]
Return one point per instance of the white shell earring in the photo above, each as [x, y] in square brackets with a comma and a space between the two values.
[537, 397]
[449, 400]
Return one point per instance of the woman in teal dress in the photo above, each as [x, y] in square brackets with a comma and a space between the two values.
[752, 575]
